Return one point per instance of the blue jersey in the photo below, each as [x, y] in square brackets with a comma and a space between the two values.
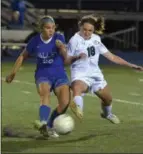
[50, 64]
[47, 54]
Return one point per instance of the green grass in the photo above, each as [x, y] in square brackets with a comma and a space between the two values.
[94, 134]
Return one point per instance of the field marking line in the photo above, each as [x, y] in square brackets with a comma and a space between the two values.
[89, 95]
[26, 92]
[140, 80]
[119, 100]
[134, 94]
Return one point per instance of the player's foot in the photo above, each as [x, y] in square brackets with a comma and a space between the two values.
[42, 127]
[44, 130]
[112, 118]
[76, 110]
[52, 133]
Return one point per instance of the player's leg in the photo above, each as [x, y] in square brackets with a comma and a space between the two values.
[78, 87]
[102, 91]
[43, 88]
[62, 91]
[63, 96]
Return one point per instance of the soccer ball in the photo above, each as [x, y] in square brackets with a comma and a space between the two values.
[63, 124]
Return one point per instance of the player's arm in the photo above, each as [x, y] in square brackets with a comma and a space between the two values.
[62, 48]
[115, 59]
[71, 55]
[27, 51]
[118, 60]
[63, 51]
[72, 59]
[16, 66]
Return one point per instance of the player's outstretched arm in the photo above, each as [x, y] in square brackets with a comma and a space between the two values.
[63, 51]
[16, 66]
[120, 61]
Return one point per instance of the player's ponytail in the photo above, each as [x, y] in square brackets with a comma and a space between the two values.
[99, 25]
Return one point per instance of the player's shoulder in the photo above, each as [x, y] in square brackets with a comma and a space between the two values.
[35, 38]
[96, 37]
[59, 34]
[75, 38]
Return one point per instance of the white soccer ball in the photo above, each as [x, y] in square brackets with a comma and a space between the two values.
[63, 124]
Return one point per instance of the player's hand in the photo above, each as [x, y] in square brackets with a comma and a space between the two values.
[59, 44]
[139, 68]
[10, 78]
[82, 56]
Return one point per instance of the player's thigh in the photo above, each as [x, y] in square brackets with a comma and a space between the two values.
[43, 84]
[104, 94]
[43, 88]
[79, 86]
[62, 89]
[63, 94]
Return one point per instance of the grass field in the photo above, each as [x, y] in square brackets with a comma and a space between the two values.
[20, 104]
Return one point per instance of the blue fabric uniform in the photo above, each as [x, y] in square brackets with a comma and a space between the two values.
[50, 64]
[19, 5]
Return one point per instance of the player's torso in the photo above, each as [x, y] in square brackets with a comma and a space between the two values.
[47, 54]
[90, 64]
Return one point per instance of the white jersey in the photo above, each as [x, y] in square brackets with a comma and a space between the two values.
[92, 48]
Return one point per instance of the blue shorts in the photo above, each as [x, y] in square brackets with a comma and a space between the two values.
[54, 79]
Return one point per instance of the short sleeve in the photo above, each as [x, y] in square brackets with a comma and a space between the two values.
[30, 46]
[71, 47]
[61, 37]
[101, 48]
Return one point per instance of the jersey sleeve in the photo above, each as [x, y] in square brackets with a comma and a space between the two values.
[30, 46]
[101, 48]
[71, 46]
[61, 37]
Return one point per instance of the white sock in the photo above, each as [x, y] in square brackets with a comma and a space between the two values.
[79, 101]
[107, 110]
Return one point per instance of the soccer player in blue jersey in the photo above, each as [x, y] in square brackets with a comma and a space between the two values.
[49, 48]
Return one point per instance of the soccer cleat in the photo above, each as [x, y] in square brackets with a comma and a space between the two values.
[42, 127]
[52, 133]
[76, 110]
[112, 118]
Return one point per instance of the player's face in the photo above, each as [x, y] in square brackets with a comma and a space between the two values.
[49, 29]
[86, 30]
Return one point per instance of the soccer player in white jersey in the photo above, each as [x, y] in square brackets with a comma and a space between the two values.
[85, 73]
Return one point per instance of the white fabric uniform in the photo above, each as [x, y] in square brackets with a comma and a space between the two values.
[87, 70]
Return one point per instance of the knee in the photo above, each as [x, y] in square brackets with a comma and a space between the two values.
[107, 101]
[44, 92]
[44, 96]
[76, 90]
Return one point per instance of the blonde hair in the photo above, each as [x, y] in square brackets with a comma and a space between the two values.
[43, 20]
[96, 21]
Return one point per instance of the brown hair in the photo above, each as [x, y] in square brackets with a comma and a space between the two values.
[97, 22]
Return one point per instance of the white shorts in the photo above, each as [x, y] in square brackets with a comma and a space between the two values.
[94, 83]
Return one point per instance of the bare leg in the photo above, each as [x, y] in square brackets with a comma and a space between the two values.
[106, 104]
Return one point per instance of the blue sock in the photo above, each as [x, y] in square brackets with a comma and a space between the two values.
[44, 112]
[52, 118]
